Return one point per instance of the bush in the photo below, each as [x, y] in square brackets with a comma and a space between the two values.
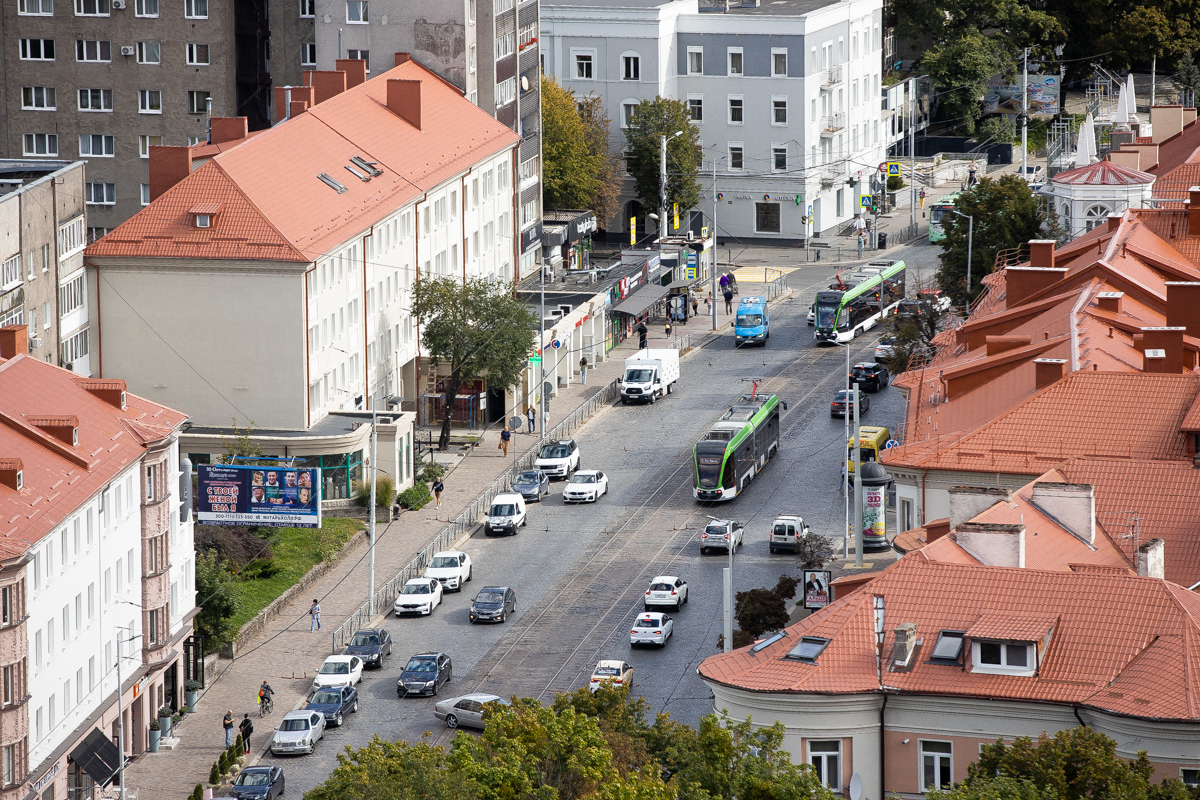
[192, 686]
[259, 568]
[814, 552]
[198, 792]
[415, 497]
[166, 711]
[223, 763]
[431, 471]
[385, 492]
[895, 183]
[214, 775]
[236, 545]
[154, 726]
[217, 586]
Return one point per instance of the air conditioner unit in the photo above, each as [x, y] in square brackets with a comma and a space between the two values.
[34, 342]
[118, 4]
[564, 309]
[127, 50]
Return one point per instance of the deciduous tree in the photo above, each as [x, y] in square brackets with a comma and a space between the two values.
[611, 175]
[570, 168]
[651, 120]
[383, 770]
[217, 594]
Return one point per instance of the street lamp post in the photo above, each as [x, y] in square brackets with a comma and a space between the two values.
[970, 245]
[389, 401]
[662, 179]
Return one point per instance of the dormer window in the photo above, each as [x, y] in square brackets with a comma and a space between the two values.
[809, 649]
[204, 215]
[20, 479]
[1004, 658]
[1009, 643]
[204, 220]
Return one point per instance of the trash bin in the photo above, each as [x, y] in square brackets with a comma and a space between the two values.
[882, 240]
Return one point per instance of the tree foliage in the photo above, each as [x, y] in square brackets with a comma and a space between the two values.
[651, 120]
[242, 448]
[473, 329]
[913, 335]
[570, 169]
[218, 596]
[384, 770]
[814, 552]
[605, 201]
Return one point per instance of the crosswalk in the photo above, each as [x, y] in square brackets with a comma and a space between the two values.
[760, 274]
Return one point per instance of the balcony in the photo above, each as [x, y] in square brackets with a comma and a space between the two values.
[831, 77]
[834, 123]
[831, 176]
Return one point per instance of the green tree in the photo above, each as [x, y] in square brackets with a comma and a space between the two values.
[570, 169]
[960, 69]
[242, 448]
[913, 333]
[384, 770]
[760, 610]
[473, 329]
[217, 594]
[1187, 81]
[1007, 215]
[611, 176]
[651, 120]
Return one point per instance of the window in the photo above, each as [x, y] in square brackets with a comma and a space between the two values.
[149, 101]
[779, 62]
[766, 217]
[505, 93]
[10, 272]
[6, 605]
[39, 8]
[96, 144]
[735, 155]
[735, 60]
[70, 295]
[70, 237]
[38, 98]
[1190, 776]
[37, 49]
[827, 762]
[1003, 654]
[948, 647]
[198, 9]
[95, 99]
[145, 193]
[779, 158]
[471, 58]
[7, 694]
[308, 54]
[46, 315]
[356, 11]
[93, 8]
[809, 649]
[74, 347]
[696, 107]
[779, 111]
[92, 50]
[360, 55]
[145, 142]
[308, 8]
[153, 637]
[146, 8]
[583, 66]
[100, 194]
[470, 12]
[149, 53]
[628, 108]
[735, 110]
[505, 45]
[632, 68]
[695, 60]
[935, 765]
[41, 144]
[503, 5]
[197, 54]
[197, 102]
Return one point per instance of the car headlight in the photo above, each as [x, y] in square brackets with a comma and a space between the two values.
[430, 683]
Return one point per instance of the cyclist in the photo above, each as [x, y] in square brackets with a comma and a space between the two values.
[264, 697]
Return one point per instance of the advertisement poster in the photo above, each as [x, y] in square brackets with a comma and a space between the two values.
[1006, 97]
[816, 588]
[274, 497]
[873, 522]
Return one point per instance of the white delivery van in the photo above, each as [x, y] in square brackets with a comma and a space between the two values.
[506, 515]
[649, 374]
[786, 533]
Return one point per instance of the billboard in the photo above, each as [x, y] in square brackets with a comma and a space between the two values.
[273, 497]
[816, 588]
[1006, 97]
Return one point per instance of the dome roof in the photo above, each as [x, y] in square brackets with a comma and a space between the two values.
[1103, 173]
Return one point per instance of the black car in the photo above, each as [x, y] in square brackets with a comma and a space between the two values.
[869, 377]
[844, 403]
[493, 603]
[424, 674]
[372, 645]
[335, 702]
[532, 484]
[258, 783]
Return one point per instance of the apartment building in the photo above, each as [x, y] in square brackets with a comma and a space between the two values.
[42, 235]
[487, 48]
[786, 96]
[96, 573]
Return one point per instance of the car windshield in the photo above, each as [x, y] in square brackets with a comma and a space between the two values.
[578, 478]
[325, 698]
[503, 510]
[553, 451]
[364, 640]
[415, 588]
[863, 372]
[606, 671]
[297, 724]
[421, 665]
[749, 320]
[843, 396]
[444, 561]
[529, 477]
[335, 668]
[253, 779]
[489, 597]
[638, 375]
[646, 622]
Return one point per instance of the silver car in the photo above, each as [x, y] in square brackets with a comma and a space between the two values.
[466, 711]
[298, 732]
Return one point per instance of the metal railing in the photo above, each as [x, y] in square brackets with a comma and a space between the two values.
[833, 122]
[831, 76]
[905, 234]
[1011, 257]
[464, 522]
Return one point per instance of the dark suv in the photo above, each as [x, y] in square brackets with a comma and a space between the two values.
[869, 377]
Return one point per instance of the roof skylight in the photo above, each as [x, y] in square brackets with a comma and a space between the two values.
[765, 643]
[949, 646]
[369, 167]
[331, 183]
[809, 648]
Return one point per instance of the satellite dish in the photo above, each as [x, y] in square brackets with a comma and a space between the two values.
[524, 84]
[855, 786]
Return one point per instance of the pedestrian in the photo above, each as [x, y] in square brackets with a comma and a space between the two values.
[228, 723]
[971, 175]
[708, 303]
[668, 328]
[728, 300]
[246, 728]
[860, 244]
[438, 488]
[842, 482]
[583, 370]
[922, 196]
[643, 332]
[532, 416]
[724, 281]
[505, 438]
[695, 306]
[314, 611]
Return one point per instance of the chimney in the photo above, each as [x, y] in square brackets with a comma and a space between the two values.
[109, 390]
[1150, 560]
[290, 95]
[1194, 211]
[168, 166]
[995, 545]
[1163, 350]
[14, 339]
[1183, 306]
[1048, 371]
[402, 58]
[1002, 344]
[325, 83]
[1166, 122]
[1113, 221]
[229, 129]
[1041, 253]
[1071, 505]
[968, 502]
[11, 473]
[1021, 283]
[936, 529]
[1131, 158]
[905, 646]
[297, 107]
[1110, 301]
[355, 69]
[404, 99]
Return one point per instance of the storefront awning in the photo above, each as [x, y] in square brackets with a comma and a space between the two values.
[636, 304]
[98, 757]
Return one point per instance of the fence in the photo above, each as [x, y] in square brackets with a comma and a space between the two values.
[464, 522]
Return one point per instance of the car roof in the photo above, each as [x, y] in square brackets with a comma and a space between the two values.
[493, 589]
[422, 581]
[256, 769]
[338, 658]
[449, 553]
[427, 655]
[867, 365]
[645, 614]
[482, 697]
[587, 472]
[375, 631]
[508, 496]
[300, 713]
[610, 662]
[662, 578]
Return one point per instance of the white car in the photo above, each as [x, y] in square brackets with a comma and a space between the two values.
[452, 568]
[419, 596]
[298, 732]
[666, 590]
[339, 671]
[811, 317]
[885, 348]
[653, 627]
[723, 533]
[611, 671]
[558, 459]
[585, 486]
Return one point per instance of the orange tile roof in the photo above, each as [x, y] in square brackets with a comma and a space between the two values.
[275, 207]
[1107, 650]
[1012, 626]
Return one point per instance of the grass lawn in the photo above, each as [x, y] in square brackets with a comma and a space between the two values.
[295, 551]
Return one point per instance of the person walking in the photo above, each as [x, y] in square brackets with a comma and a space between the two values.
[668, 328]
[971, 175]
[532, 417]
[583, 370]
[505, 438]
[314, 611]
[228, 724]
[643, 333]
[438, 488]
[246, 728]
[921, 195]
[728, 300]
[695, 306]
[860, 244]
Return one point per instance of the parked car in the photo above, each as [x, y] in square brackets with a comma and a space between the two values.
[339, 671]
[419, 596]
[869, 377]
[452, 568]
[722, 533]
[610, 671]
[532, 484]
[653, 627]
[666, 590]
[585, 486]
[494, 604]
[811, 316]
[1034, 173]
[936, 298]
[843, 404]
[467, 711]
[506, 515]
[371, 645]
[258, 783]
[425, 673]
[558, 459]
[298, 732]
[335, 703]
[886, 348]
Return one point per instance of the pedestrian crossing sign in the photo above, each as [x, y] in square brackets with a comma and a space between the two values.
[893, 168]
[865, 201]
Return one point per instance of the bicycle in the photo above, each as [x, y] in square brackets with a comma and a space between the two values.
[264, 706]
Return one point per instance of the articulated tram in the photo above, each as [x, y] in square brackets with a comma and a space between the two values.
[858, 301]
[737, 447]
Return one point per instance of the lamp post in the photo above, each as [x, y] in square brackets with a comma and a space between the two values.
[389, 401]
[662, 179]
[846, 459]
[970, 244]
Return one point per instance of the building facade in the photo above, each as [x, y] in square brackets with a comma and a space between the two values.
[786, 97]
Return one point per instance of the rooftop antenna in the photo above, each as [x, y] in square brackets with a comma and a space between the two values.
[1133, 526]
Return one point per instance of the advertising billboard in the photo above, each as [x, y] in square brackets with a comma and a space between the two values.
[873, 520]
[1043, 93]
[816, 588]
[256, 496]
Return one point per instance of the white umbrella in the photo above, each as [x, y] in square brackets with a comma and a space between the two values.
[1130, 99]
[1121, 115]
[1085, 148]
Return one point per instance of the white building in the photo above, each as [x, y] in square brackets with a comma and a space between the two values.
[1084, 197]
[786, 96]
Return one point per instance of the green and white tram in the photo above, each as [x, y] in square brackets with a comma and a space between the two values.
[739, 445]
[858, 301]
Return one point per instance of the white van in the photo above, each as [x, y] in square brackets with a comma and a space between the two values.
[506, 514]
[786, 533]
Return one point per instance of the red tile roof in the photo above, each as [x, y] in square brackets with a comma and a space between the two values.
[1103, 173]
[1111, 647]
[1012, 626]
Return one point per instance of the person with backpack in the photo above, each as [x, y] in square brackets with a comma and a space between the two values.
[246, 728]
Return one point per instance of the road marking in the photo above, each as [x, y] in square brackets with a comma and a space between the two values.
[760, 274]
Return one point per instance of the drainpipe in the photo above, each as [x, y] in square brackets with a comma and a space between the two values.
[882, 749]
[287, 102]
[1075, 710]
[208, 116]
[924, 475]
[99, 327]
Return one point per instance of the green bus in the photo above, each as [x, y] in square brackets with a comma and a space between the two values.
[738, 447]
[858, 301]
[937, 211]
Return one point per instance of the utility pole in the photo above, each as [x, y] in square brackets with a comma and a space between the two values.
[912, 155]
[727, 581]
[662, 189]
[544, 401]
[712, 278]
[1025, 114]
[858, 531]
[846, 463]
[371, 524]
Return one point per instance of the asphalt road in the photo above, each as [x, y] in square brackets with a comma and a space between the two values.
[580, 571]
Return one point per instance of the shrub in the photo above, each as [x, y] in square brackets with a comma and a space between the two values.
[214, 775]
[166, 711]
[385, 492]
[223, 763]
[198, 792]
[259, 568]
[236, 545]
[814, 552]
[415, 497]
[154, 726]
[431, 471]
[895, 183]
[191, 686]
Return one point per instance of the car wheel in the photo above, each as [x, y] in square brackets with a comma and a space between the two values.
[338, 720]
[624, 401]
[670, 388]
[435, 688]
[470, 572]
[451, 721]
[646, 607]
[679, 606]
[772, 548]
[503, 617]
[354, 710]
[686, 597]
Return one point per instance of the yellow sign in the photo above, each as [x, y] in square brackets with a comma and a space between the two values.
[675, 225]
[893, 168]
[632, 231]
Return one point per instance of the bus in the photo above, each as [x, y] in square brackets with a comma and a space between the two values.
[938, 210]
[752, 324]
[872, 441]
[737, 447]
[858, 301]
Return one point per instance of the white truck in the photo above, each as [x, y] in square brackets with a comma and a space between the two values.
[649, 374]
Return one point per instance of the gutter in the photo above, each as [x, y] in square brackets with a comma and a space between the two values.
[99, 327]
